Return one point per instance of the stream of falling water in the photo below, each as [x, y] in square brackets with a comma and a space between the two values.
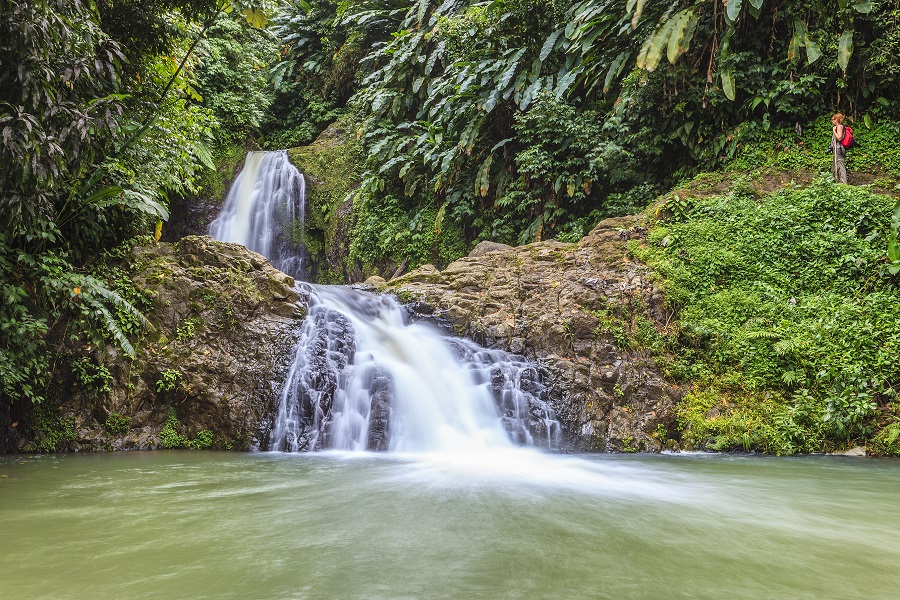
[265, 211]
[365, 379]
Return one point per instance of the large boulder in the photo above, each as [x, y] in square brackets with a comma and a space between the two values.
[574, 309]
[207, 371]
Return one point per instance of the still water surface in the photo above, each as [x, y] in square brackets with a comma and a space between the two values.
[508, 524]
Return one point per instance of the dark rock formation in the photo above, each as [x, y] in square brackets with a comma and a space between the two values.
[570, 308]
[382, 391]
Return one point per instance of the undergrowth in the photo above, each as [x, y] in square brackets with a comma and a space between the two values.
[788, 319]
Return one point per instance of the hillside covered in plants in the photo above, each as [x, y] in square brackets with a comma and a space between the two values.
[428, 126]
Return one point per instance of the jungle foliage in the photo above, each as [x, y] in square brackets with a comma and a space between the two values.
[788, 317]
[101, 120]
[518, 120]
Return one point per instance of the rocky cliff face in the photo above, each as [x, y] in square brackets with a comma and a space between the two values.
[575, 309]
[224, 323]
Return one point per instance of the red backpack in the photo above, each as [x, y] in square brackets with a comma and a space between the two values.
[847, 140]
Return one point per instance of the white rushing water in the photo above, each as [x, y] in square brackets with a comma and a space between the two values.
[264, 211]
[365, 379]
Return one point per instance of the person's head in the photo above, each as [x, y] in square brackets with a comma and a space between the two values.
[837, 119]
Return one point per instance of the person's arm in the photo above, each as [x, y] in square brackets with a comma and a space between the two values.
[838, 132]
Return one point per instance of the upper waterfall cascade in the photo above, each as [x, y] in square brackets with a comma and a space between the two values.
[265, 211]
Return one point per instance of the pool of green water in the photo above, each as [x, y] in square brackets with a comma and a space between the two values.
[512, 524]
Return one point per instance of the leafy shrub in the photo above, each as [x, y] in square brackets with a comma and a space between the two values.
[169, 435]
[168, 380]
[50, 430]
[117, 424]
[203, 441]
[93, 378]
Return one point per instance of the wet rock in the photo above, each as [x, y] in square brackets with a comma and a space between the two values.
[484, 247]
[565, 307]
[382, 393]
[857, 451]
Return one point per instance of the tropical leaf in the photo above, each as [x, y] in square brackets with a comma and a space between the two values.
[550, 44]
[732, 10]
[439, 218]
[845, 49]
[796, 40]
[255, 17]
[639, 9]
[863, 6]
[615, 69]
[893, 251]
[566, 81]
[728, 85]
[895, 220]
[813, 53]
[483, 180]
[682, 34]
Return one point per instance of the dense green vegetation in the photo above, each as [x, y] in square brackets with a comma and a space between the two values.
[517, 120]
[464, 120]
[102, 121]
[788, 319]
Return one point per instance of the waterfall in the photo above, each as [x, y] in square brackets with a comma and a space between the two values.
[363, 378]
[264, 211]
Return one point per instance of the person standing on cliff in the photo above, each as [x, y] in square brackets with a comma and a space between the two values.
[837, 134]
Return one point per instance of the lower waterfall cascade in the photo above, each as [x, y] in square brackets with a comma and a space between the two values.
[365, 379]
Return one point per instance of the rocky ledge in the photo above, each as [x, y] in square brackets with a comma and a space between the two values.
[575, 310]
[223, 323]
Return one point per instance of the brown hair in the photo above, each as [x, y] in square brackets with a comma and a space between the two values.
[838, 117]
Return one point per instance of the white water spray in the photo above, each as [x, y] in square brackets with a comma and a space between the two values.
[265, 211]
[365, 379]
